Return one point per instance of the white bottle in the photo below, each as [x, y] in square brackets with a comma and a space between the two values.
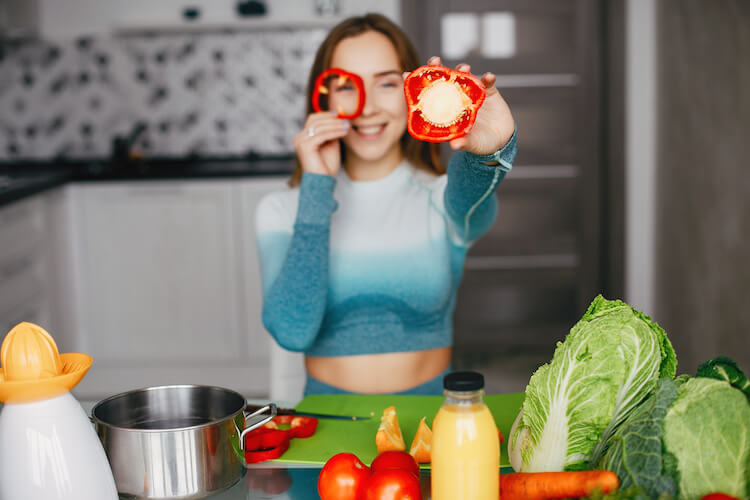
[48, 447]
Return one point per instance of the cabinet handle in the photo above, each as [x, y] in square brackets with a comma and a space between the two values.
[537, 80]
[511, 262]
[157, 191]
[532, 172]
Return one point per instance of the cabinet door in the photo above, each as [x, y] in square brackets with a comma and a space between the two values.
[34, 284]
[537, 269]
[160, 287]
[23, 258]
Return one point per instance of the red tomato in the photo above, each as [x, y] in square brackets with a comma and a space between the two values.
[342, 477]
[393, 459]
[718, 496]
[391, 484]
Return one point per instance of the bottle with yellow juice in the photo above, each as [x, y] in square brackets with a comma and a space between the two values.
[465, 443]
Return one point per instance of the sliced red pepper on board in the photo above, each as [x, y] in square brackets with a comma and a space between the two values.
[263, 453]
[269, 441]
[299, 427]
[339, 78]
[443, 102]
[303, 427]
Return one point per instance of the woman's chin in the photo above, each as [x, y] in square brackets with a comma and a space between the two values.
[373, 150]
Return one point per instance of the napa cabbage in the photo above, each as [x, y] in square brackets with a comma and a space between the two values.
[609, 363]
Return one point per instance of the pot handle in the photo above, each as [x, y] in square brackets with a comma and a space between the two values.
[269, 407]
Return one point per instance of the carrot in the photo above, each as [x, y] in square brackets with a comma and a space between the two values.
[551, 485]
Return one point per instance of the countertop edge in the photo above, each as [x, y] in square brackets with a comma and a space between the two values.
[19, 185]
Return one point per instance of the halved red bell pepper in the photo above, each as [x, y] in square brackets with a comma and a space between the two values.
[443, 102]
[269, 441]
[321, 91]
[265, 445]
[299, 427]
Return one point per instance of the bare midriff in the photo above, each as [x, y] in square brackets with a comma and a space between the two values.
[379, 373]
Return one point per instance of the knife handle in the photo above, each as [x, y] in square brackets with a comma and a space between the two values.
[279, 411]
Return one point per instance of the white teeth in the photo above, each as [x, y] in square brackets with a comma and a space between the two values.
[372, 130]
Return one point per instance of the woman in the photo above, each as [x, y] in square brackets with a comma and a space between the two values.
[361, 258]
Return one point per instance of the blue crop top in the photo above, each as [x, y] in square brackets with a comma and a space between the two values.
[372, 267]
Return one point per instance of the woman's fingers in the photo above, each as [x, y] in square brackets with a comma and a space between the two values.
[434, 61]
[489, 80]
[317, 133]
[323, 121]
[463, 67]
[458, 143]
[324, 136]
[321, 117]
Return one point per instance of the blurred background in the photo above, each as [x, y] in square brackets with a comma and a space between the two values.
[137, 137]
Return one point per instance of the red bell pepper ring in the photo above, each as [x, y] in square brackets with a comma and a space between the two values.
[303, 427]
[263, 452]
[443, 103]
[269, 442]
[320, 89]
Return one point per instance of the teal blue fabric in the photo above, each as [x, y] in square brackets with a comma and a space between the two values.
[305, 305]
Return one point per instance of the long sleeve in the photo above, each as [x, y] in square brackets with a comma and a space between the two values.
[469, 194]
[294, 267]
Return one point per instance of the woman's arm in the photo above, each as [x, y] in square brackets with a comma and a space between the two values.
[294, 266]
[470, 200]
[486, 153]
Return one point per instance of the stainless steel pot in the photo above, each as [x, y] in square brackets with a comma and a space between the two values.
[175, 441]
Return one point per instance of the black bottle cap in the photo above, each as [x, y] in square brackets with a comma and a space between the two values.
[463, 381]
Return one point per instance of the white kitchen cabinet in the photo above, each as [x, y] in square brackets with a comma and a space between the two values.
[29, 251]
[56, 19]
[169, 14]
[52, 19]
[167, 293]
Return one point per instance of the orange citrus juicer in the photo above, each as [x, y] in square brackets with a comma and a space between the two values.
[32, 369]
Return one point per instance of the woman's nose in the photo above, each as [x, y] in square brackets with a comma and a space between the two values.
[370, 102]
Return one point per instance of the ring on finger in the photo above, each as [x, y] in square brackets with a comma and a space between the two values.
[310, 131]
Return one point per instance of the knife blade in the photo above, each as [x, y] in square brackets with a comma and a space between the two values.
[292, 411]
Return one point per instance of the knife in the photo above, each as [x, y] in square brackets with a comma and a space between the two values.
[292, 411]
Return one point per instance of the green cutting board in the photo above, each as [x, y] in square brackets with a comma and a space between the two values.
[358, 437]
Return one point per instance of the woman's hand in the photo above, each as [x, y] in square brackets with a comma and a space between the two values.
[494, 125]
[317, 145]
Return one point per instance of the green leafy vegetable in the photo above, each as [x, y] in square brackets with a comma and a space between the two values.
[690, 438]
[628, 494]
[724, 368]
[609, 362]
[635, 450]
[707, 430]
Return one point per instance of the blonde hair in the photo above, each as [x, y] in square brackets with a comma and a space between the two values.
[421, 154]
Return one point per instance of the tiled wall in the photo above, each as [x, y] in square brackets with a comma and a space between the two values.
[204, 94]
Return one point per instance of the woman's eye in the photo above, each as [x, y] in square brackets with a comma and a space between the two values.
[390, 84]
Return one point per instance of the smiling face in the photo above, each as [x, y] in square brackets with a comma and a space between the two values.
[374, 139]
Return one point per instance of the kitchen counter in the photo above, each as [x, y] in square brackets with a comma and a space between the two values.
[17, 187]
[274, 480]
[292, 481]
[19, 180]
